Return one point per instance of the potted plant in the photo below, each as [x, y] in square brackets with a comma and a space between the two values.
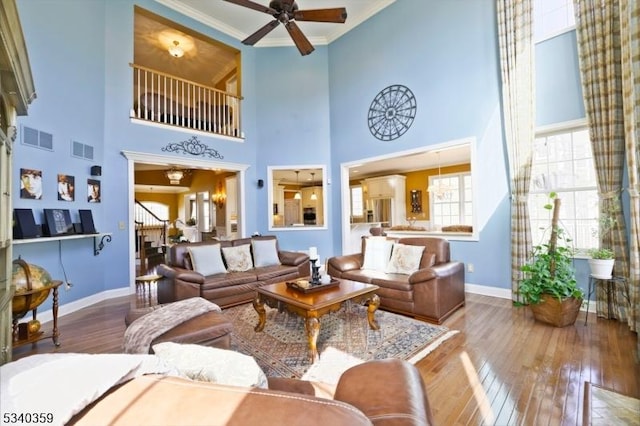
[602, 259]
[549, 285]
[601, 262]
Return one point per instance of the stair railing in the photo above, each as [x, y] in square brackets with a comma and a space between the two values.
[148, 226]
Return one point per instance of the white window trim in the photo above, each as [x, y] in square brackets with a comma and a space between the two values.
[460, 176]
[560, 128]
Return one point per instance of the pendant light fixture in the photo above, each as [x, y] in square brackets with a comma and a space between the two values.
[297, 196]
[440, 190]
[314, 197]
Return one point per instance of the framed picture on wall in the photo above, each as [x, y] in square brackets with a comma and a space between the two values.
[93, 190]
[66, 188]
[31, 184]
[57, 222]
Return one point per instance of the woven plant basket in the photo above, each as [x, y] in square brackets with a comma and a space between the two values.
[559, 314]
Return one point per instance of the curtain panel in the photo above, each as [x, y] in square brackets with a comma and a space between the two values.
[515, 34]
[630, 60]
[598, 31]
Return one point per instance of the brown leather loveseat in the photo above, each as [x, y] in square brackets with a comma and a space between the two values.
[181, 280]
[432, 292]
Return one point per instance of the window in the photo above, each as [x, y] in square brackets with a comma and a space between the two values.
[454, 206]
[193, 208]
[563, 163]
[357, 209]
[552, 17]
[161, 211]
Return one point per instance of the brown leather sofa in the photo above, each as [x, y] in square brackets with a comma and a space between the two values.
[382, 393]
[431, 293]
[179, 280]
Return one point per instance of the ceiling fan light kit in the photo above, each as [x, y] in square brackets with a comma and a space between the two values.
[286, 12]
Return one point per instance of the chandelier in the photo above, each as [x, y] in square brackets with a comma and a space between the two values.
[219, 197]
[440, 190]
[174, 176]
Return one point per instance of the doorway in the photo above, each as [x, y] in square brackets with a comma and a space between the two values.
[161, 163]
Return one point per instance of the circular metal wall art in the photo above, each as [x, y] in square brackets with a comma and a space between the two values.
[392, 112]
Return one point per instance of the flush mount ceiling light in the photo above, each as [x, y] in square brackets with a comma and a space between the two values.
[174, 176]
[175, 50]
[297, 196]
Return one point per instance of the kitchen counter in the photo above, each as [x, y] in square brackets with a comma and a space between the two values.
[365, 224]
[454, 236]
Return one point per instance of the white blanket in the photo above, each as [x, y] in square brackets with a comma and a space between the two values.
[63, 384]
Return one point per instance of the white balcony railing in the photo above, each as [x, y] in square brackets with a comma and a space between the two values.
[166, 99]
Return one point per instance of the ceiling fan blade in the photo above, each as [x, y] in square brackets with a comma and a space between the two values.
[254, 6]
[337, 15]
[255, 37]
[302, 43]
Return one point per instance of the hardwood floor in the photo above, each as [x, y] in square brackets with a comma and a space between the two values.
[502, 368]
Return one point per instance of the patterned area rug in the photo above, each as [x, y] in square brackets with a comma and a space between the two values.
[345, 339]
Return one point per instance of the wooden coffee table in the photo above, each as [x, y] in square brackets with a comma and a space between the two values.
[311, 306]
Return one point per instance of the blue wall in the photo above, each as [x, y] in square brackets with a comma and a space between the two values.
[446, 53]
[558, 86]
[297, 111]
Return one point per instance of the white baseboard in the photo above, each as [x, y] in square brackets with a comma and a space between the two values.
[68, 308]
[76, 305]
[505, 293]
[484, 290]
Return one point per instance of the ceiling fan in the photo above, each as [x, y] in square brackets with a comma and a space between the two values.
[286, 12]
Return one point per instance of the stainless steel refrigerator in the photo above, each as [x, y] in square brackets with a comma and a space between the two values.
[381, 208]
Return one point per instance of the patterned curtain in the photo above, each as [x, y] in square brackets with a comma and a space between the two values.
[599, 50]
[515, 33]
[630, 46]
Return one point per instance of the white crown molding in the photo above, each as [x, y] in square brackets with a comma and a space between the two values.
[203, 18]
[352, 22]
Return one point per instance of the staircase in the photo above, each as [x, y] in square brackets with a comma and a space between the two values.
[151, 239]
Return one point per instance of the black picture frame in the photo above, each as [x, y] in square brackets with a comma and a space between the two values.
[24, 224]
[86, 221]
[58, 222]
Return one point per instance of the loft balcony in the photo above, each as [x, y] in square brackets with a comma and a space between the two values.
[169, 100]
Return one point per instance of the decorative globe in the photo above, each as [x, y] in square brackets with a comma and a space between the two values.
[32, 285]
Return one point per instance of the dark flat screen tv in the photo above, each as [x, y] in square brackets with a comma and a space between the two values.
[58, 222]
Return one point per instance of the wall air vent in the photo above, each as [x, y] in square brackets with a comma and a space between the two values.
[36, 138]
[81, 150]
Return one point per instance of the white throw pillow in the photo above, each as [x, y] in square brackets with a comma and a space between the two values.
[207, 259]
[405, 259]
[265, 253]
[238, 258]
[209, 364]
[377, 251]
